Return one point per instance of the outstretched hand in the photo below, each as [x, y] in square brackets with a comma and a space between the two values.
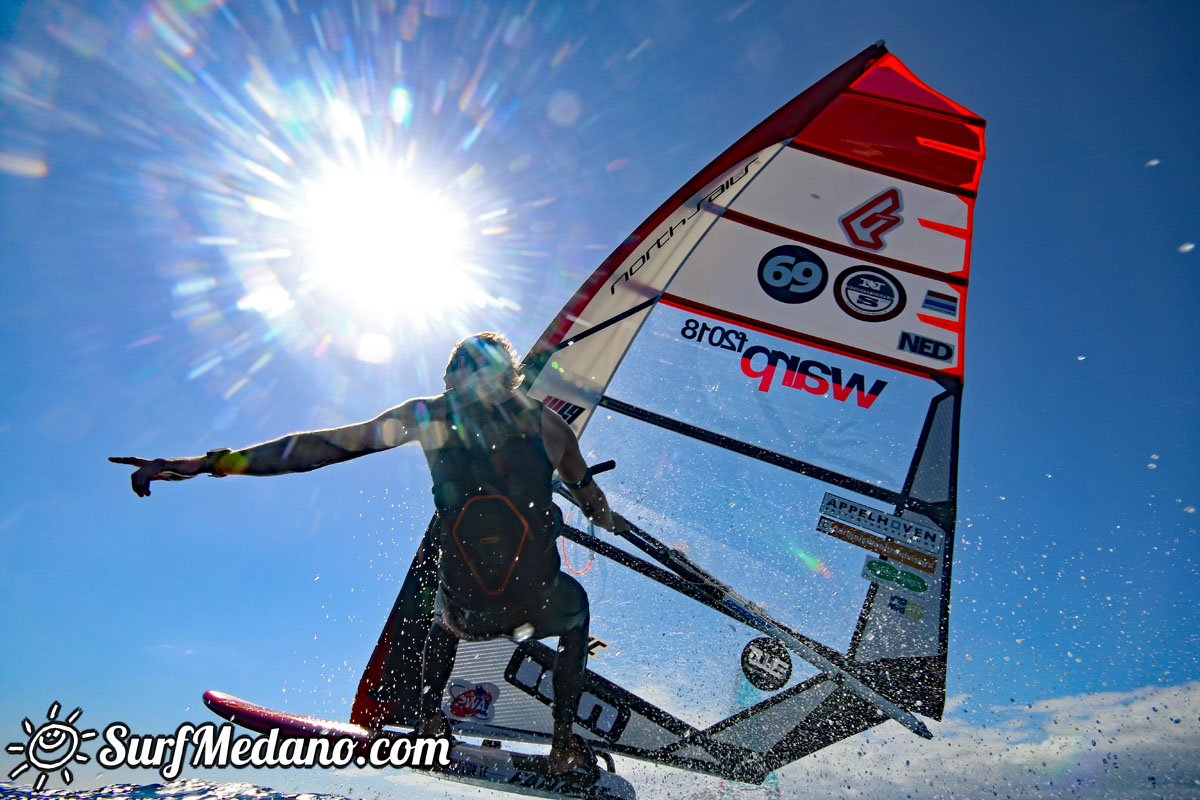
[157, 469]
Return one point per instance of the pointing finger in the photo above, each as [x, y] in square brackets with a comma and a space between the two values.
[129, 461]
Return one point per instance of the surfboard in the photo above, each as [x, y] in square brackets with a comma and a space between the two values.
[488, 766]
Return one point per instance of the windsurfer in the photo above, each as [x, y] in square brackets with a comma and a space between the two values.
[492, 451]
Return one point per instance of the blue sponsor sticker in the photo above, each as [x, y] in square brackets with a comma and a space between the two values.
[906, 607]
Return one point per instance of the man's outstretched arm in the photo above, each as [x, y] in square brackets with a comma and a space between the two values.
[562, 447]
[296, 452]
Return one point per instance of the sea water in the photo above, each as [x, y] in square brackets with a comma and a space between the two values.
[181, 790]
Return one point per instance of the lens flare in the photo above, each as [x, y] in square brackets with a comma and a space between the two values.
[386, 244]
[811, 562]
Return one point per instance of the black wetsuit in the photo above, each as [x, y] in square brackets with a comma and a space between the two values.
[499, 571]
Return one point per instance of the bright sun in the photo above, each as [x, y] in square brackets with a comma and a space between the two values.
[386, 245]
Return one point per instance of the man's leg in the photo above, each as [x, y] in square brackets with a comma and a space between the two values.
[437, 663]
[570, 663]
[566, 613]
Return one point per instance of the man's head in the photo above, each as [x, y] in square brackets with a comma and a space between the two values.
[485, 361]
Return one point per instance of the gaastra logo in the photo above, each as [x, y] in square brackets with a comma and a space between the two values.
[568, 411]
[809, 375]
[866, 225]
[473, 700]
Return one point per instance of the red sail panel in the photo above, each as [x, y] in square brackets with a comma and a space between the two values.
[900, 128]
[890, 78]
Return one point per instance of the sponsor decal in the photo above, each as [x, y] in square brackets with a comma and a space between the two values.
[941, 303]
[869, 294]
[761, 362]
[876, 544]
[715, 335]
[878, 571]
[601, 710]
[766, 664]
[792, 274]
[923, 537]
[808, 374]
[568, 411]
[866, 225]
[924, 346]
[905, 607]
[666, 236]
[475, 701]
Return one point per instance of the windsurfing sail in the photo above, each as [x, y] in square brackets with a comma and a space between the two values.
[775, 360]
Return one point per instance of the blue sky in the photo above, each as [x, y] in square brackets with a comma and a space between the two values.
[121, 146]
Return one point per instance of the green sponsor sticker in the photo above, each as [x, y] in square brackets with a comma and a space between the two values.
[878, 571]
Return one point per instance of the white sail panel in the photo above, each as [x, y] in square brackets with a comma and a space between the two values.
[838, 300]
[783, 395]
[579, 372]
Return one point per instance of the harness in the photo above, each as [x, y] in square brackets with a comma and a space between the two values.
[491, 486]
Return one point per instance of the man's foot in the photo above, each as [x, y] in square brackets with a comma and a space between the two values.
[572, 753]
[435, 727]
[432, 728]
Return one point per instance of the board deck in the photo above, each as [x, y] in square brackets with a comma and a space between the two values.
[488, 767]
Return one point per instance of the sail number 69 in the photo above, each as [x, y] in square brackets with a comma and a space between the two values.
[792, 274]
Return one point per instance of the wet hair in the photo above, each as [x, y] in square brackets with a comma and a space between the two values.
[488, 350]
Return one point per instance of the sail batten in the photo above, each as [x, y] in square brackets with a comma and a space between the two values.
[836, 247]
[753, 451]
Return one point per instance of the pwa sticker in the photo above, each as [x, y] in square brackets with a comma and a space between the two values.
[906, 607]
[475, 701]
[877, 571]
[766, 664]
